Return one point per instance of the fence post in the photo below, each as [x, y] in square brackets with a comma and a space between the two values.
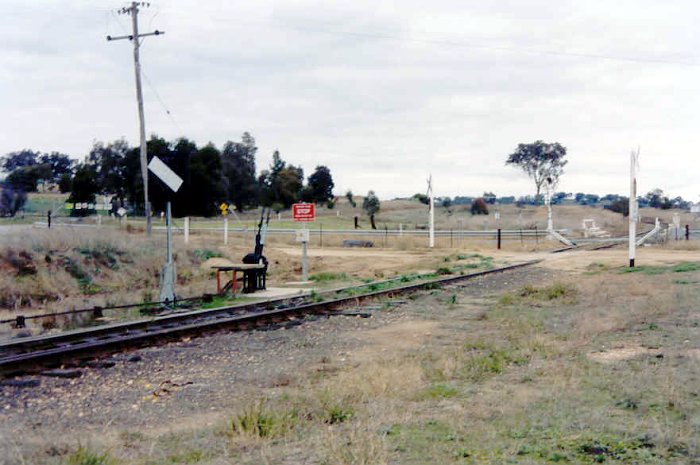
[320, 234]
[451, 245]
[687, 232]
[537, 236]
[187, 229]
[499, 239]
[225, 231]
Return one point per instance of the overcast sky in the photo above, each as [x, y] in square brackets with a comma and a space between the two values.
[382, 92]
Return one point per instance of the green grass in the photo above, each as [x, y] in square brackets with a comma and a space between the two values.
[85, 456]
[328, 276]
[532, 294]
[206, 254]
[685, 267]
[439, 391]
[227, 299]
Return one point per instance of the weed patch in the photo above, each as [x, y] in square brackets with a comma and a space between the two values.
[259, 421]
[328, 276]
[85, 456]
[529, 294]
[205, 254]
[439, 391]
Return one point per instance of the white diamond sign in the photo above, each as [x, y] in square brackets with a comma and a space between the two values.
[165, 174]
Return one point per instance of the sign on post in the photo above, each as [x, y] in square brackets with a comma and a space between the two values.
[165, 174]
[302, 235]
[304, 212]
[173, 181]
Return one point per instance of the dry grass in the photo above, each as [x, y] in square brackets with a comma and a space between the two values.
[512, 382]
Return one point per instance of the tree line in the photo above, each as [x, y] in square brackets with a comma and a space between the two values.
[211, 176]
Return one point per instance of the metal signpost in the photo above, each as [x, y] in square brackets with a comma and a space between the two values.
[304, 213]
[173, 181]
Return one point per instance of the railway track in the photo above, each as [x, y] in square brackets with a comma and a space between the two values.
[78, 347]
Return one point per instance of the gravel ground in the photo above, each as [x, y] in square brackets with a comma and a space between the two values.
[195, 381]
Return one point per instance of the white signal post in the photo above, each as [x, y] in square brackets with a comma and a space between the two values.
[634, 161]
[431, 209]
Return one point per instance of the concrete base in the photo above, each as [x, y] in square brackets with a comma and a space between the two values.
[276, 293]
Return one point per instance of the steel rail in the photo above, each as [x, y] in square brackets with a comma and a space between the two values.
[72, 347]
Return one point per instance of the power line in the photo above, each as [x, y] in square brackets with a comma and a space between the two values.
[162, 103]
[223, 17]
[556, 53]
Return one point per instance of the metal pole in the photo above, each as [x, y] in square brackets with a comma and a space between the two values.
[187, 229]
[499, 239]
[167, 277]
[633, 207]
[168, 223]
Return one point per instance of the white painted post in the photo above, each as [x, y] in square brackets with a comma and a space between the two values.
[400, 229]
[634, 159]
[304, 258]
[431, 207]
[187, 229]
[225, 231]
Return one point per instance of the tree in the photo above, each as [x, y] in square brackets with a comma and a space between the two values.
[11, 201]
[209, 188]
[620, 205]
[479, 207]
[21, 159]
[109, 163]
[60, 165]
[281, 183]
[84, 187]
[543, 162]
[447, 204]
[238, 161]
[657, 199]
[26, 178]
[371, 206]
[321, 184]
[64, 184]
[422, 198]
[489, 198]
[349, 196]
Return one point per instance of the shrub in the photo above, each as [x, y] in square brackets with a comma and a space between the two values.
[479, 207]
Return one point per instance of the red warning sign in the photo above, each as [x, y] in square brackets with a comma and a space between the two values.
[304, 212]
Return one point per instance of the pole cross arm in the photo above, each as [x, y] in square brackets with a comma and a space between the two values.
[131, 37]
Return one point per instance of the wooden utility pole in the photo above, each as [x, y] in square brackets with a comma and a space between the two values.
[133, 10]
